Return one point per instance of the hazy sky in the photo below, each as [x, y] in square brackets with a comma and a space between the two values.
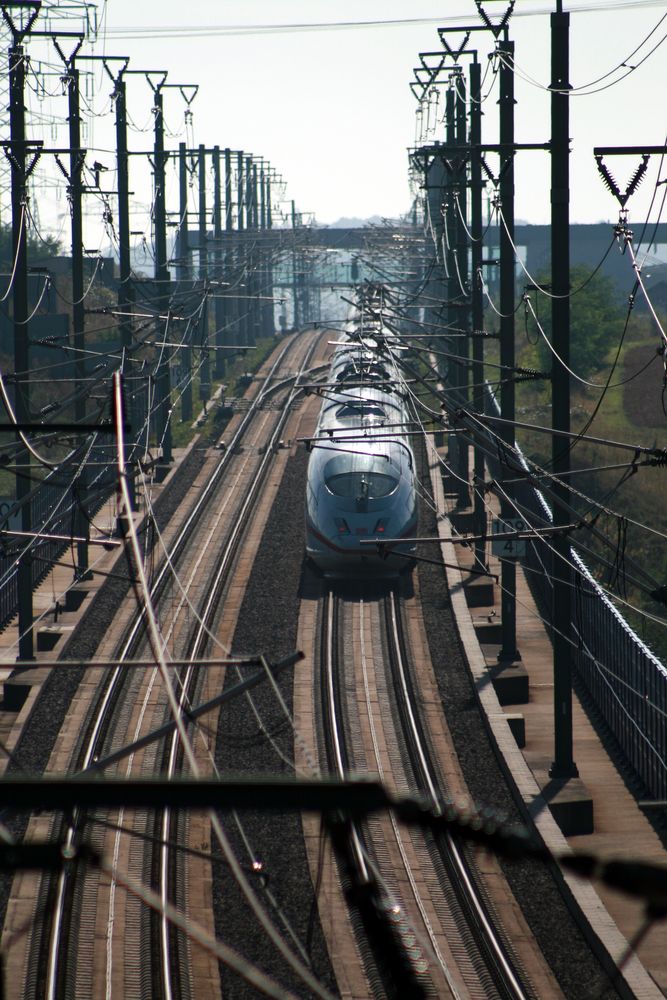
[332, 109]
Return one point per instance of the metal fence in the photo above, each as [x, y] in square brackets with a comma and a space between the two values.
[55, 505]
[57, 502]
[626, 681]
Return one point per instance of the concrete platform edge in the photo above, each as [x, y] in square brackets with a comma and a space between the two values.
[581, 898]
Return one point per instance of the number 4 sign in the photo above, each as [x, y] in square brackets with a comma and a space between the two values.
[508, 548]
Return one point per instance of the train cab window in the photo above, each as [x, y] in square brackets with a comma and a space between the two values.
[361, 485]
[359, 410]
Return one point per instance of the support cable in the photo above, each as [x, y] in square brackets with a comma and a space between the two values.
[16, 255]
[158, 651]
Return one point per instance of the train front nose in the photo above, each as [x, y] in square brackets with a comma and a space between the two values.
[358, 542]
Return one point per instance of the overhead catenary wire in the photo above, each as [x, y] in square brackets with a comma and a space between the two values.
[217, 30]
[552, 349]
[535, 283]
[177, 711]
[586, 90]
[175, 337]
[196, 933]
[163, 349]
[651, 582]
[607, 671]
[17, 254]
[637, 270]
[523, 514]
[502, 444]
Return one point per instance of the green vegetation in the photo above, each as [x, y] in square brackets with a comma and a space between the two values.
[48, 246]
[596, 322]
[628, 412]
[249, 361]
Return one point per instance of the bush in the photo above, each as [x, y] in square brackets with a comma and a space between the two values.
[596, 321]
[47, 246]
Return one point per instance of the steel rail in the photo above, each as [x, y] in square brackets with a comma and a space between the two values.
[435, 948]
[333, 724]
[365, 869]
[497, 960]
[99, 725]
[190, 677]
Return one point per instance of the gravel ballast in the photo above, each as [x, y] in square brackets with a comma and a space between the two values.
[267, 624]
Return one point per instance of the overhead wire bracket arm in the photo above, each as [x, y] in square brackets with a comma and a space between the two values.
[160, 74]
[54, 35]
[195, 713]
[498, 27]
[183, 87]
[622, 196]
[19, 34]
[628, 150]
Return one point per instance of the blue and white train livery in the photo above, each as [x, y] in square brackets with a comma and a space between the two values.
[361, 473]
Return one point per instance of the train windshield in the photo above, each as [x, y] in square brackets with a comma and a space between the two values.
[370, 480]
[366, 485]
[359, 410]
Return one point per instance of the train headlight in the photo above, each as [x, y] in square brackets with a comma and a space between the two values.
[341, 526]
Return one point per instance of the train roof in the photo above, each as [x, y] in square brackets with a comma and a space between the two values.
[361, 404]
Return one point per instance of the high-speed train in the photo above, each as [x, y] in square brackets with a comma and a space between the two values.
[361, 472]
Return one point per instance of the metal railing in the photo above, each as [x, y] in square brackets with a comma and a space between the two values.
[56, 504]
[625, 680]
[54, 507]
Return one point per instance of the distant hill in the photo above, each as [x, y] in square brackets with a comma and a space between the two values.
[354, 223]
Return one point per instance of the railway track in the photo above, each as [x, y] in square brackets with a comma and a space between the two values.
[496, 965]
[429, 929]
[410, 931]
[81, 948]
